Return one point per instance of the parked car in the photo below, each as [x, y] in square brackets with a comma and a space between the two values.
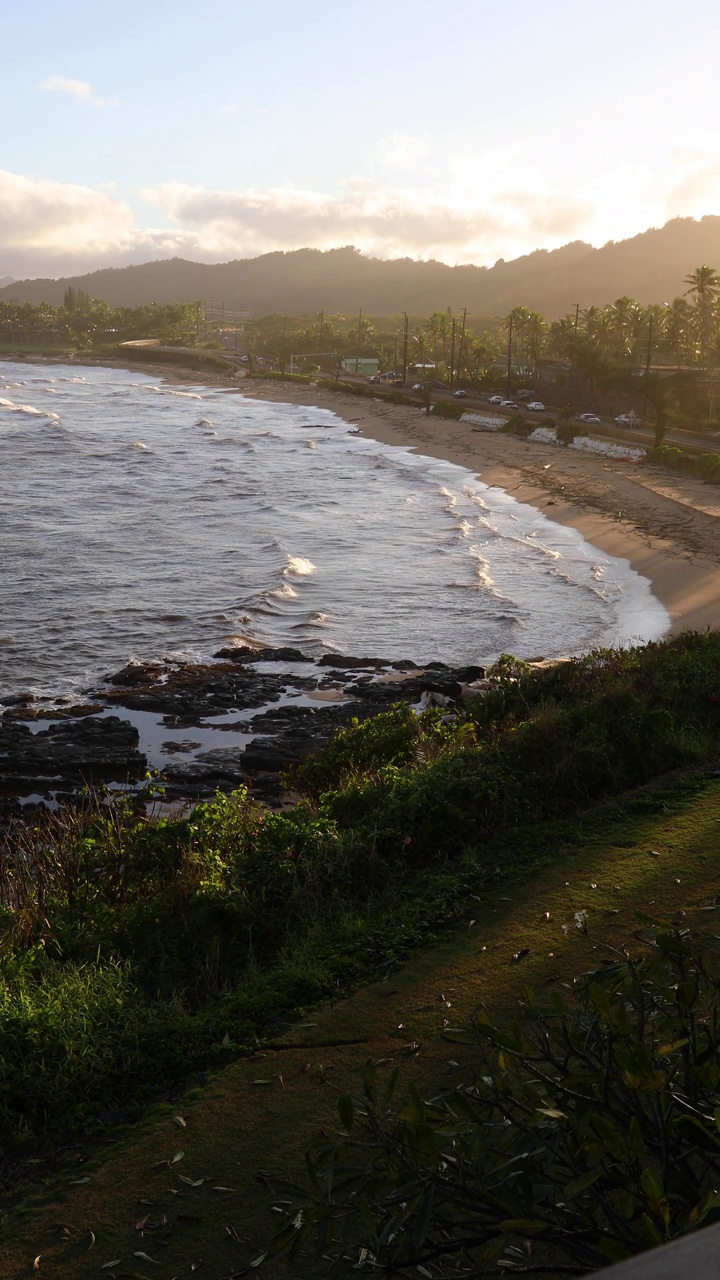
[460, 395]
[588, 417]
[508, 404]
[374, 378]
[537, 406]
[495, 400]
[627, 420]
[417, 386]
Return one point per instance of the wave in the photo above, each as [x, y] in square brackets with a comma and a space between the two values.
[204, 422]
[299, 567]
[187, 395]
[28, 409]
[482, 570]
[283, 592]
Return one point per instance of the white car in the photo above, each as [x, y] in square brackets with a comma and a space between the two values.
[589, 417]
[495, 400]
[508, 404]
[537, 406]
[626, 420]
[460, 395]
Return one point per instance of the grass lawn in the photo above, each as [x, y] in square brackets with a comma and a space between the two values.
[656, 853]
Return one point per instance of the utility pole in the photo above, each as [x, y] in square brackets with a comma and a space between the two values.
[452, 358]
[405, 347]
[359, 332]
[462, 339]
[509, 359]
[648, 358]
[197, 319]
[395, 356]
[322, 321]
[577, 316]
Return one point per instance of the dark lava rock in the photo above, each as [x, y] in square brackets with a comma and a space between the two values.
[468, 674]
[243, 653]
[189, 693]
[136, 673]
[17, 700]
[87, 749]
[344, 662]
[211, 771]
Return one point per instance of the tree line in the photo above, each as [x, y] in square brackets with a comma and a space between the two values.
[82, 322]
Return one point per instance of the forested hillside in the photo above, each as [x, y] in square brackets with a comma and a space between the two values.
[650, 267]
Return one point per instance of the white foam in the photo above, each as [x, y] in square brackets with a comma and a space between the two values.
[299, 567]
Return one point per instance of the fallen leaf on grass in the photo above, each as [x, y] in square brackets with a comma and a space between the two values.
[179, 1155]
[180, 1122]
[115, 1263]
[271, 1081]
[229, 1189]
[197, 1183]
[234, 1235]
[259, 1260]
[92, 1239]
[145, 1257]
[36, 1263]
[78, 1182]
[520, 955]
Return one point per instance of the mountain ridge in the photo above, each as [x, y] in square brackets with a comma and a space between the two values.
[650, 266]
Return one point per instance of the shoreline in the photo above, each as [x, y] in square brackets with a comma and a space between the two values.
[666, 526]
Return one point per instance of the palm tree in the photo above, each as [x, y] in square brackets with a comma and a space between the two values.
[704, 285]
[623, 312]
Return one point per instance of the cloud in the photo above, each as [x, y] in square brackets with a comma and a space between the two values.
[81, 90]
[696, 187]
[387, 223]
[55, 228]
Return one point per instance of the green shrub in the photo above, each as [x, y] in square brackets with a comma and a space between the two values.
[582, 1135]
[448, 409]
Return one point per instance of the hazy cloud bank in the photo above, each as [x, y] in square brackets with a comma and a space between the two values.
[52, 228]
[55, 228]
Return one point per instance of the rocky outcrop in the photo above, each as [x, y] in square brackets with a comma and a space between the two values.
[87, 750]
[274, 726]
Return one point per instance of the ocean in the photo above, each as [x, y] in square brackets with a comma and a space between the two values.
[142, 519]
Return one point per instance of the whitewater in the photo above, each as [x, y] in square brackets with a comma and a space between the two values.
[139, 519]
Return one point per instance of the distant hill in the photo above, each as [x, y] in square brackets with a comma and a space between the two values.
[650, 267]
[6, 280]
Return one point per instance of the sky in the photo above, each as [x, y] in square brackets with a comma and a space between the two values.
[465, 131]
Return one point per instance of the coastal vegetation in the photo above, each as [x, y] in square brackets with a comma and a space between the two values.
[138, 950]
[82, 323]
[584, 1131]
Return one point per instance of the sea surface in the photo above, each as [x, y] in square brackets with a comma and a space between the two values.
[141, 519]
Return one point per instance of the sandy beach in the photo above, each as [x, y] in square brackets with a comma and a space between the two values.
[667, 526]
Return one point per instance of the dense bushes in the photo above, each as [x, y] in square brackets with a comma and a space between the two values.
[448, 409]
[582, 1135]
[706, 466]
[207, 928]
